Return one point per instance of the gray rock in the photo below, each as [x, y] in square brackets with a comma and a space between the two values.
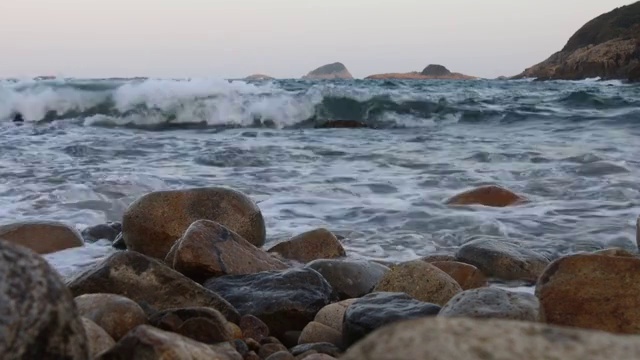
[150, 283]
[108, 231]
[493, 303]
[320, 348]
[350, 278]
[284, 300]
[39, 319]
[379, 309]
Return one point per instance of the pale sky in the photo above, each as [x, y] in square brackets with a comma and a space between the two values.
[283, 38]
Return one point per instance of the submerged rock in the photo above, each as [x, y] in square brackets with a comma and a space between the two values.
[309, 246]
[350, 278]
[490, 195]
[420, 280]
[42, 237]
[108, 231]
[150, 283]
[153, 223]
[284, 300]
[593, 292]
[439, 338]
[202, 324]
[328, 72]
[342, 124]
[493, 303]
[208, 249]
[503, 260]
[467, 275]
[39, 319]
[378, 309]
[116, 314]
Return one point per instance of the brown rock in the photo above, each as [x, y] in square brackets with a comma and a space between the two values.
[316, 244]
[234, 330]
[253, 328]
[148, 343]
[333, 315]
[593, 292]
[438, 258]
[252, 344]
[491, 195]
[440, 338]
[116, 314]
[252, 356]
[467, 275]
[202, 324]
[153, 223]
[150, 283]
[638, 232]
[98, 339]
[208, 249]
[304, 355]
[42, 237]
[267, 350]
[615, 252]
[316, 332]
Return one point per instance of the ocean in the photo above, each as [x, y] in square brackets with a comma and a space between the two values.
[88, 148]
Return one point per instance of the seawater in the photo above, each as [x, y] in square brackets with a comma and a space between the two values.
[89, 147]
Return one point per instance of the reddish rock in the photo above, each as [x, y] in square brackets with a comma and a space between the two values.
[491, 195]
[467, 275]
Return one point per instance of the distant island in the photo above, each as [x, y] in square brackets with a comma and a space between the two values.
[259, 77]
[607, 47]
[431, 72]
[336, 70]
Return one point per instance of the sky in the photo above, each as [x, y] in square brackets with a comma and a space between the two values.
[283, 38]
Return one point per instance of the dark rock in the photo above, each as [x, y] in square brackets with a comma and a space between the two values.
[270, 340]
[116, 314]
[241, 347]
[202, 324]
[208, 249]
[341, 124]
[108, 231]
[309, 246]
[252, 344]
[379, 309]
[252, 356]
[148, 343]
[153, 223]
[436, 70]
[253, 328]
[118, 243]
[281, 355]
[42, 237]
[290, 338]
[267, 350]
[502, 259]
[284, 300]
[38, 319]
[493, 303]
[350, 278]
[150, 283]
[320, 348]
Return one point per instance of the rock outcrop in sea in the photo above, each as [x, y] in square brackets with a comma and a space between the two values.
[259, 77]
[431, 72]
[607, 47]
[336, 70]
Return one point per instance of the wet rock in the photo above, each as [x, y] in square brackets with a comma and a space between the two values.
[438, 338]
[466, 275]
[491, 195]
[108, 231]
[281, 355]
[42, 237]
[208, 249]
[148, 343]
[153, 223]
[616, 252]
[420, 280]
[316, 332]
[202, 324]
[438, 258]
[267, 350]
[150, 283]
[98, 339]
[350, 278]
[503, 260]
[316, 244]
[253, 328]
[342, 124]
[284, 300]
[593, 292]
[116, 314]
[332, 315]
[379, 309]
[493, 303]
[38, 318]
[118, 243]
[320, 348]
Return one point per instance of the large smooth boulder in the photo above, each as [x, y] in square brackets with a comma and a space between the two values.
[285, 300]
[378, 309]
[441, 338]
[38, 319]
[148, 343]
[153, 223]
[350, 278]
[208, 249]
[493, 303]
[149, 282]
[592, 291]
[490, 195]
[116, 314]
[420, 280]
[311, 245]
[42, 237]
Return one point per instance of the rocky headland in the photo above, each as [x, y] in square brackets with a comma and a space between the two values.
[193, 280]
[335, 70]
[607, 47]
[431, 72]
